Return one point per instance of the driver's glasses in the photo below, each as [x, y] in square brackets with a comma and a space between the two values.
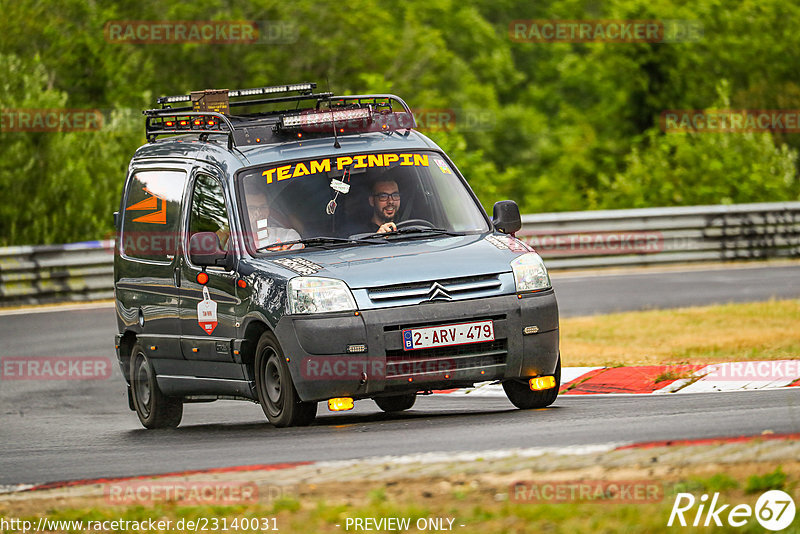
[384, 197]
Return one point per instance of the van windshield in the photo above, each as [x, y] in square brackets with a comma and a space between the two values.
[346, 198]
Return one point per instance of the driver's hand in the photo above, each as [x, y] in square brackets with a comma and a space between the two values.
[387, 227]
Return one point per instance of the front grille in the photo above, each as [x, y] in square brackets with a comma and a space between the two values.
[455, 289]
[435, 363]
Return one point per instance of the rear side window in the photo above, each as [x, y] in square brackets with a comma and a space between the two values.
[152, 215]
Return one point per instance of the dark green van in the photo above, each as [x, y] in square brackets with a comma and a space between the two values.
[320, 249]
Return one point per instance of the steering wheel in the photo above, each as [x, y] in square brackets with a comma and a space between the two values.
[414, 222]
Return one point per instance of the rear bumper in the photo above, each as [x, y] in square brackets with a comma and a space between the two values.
[322, 367]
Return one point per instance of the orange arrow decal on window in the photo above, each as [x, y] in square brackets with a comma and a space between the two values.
[150, 203]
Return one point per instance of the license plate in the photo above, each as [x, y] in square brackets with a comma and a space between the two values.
[449, 334]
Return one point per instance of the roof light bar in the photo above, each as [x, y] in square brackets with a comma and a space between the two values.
[173, 99]
[300, 87]
[322, 117]
[206, 122]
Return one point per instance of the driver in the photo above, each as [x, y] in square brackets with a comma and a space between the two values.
[384, 199]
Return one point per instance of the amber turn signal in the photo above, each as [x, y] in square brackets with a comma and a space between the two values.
[340, 404]
[542, 382]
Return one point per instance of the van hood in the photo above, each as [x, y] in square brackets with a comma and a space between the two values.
[406, 261]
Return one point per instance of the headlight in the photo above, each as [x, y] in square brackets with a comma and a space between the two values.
[530, 273]
[309, 294]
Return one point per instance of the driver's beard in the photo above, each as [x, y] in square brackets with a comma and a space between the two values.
[383, 218]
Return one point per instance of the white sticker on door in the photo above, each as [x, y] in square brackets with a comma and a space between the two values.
[207, 312]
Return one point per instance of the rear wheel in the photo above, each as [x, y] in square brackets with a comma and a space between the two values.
[276, 392]
[521, 395]
[155, 410]
[396, 403]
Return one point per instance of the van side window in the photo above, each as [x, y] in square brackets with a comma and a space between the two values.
[208, 209]
[152, 215]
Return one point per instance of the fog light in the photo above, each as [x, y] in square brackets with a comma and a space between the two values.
[542, 382]
[530, 330]
[340, 404]
[356, 348]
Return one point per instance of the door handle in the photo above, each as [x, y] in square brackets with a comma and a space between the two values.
[176, 274]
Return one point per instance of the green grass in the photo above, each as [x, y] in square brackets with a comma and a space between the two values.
[730, 332]
[480, 510]
[770, 481]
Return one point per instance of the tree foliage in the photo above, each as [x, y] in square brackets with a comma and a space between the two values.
[572, 126]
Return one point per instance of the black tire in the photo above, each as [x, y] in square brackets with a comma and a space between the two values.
[521, 395]
[276, 392]
[396, 403]
[155, 410]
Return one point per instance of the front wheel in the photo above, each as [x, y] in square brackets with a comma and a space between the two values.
[396, 403]
[521, 395]
[276, 392]
[155, 410]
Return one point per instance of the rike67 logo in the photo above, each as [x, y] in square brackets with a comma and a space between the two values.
[774, 510]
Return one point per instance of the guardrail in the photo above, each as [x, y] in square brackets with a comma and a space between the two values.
[588, 239]
[567, 240]
[57, 273]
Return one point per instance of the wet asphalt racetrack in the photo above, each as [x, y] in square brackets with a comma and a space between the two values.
[62, 430]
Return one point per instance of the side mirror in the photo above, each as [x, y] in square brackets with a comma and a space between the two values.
[205, 250]
[505, 216]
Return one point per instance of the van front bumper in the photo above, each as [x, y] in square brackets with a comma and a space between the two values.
[326, 359]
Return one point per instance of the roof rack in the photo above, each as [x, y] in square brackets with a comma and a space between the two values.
[203, 123]
[210, 113]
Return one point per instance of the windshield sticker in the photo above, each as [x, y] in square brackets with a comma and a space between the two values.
[361, 161]
[207, 313]
[299, 265]
[158, 216]
[442, 165]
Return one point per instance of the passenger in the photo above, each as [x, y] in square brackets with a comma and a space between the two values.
[264, 230]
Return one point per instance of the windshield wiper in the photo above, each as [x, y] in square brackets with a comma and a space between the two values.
[318, 241]
[415, 230]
